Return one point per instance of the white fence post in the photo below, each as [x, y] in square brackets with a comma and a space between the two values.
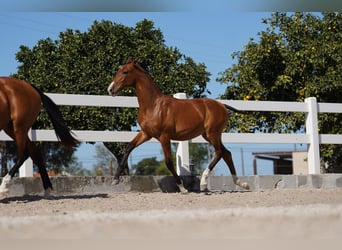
[26, 170]
[312, 131]
[182, 154]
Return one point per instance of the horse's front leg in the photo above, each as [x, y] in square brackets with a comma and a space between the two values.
[139, 139]
[166, 145]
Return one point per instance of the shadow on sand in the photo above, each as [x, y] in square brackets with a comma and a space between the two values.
[33, 198]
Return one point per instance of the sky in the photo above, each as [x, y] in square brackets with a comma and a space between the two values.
[210, 38]
[207, 37]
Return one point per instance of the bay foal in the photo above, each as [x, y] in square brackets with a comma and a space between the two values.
[166, 118]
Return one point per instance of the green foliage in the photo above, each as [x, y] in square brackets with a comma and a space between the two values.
[150, 166]
[105, 161]
[296, 57]
[77, 169]
[59, 159]
[85, 62]
[199, 154]
[7, 155]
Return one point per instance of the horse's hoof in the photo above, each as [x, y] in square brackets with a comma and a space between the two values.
[204, 188]
[182, 189]
[47, 193]
[245, 185]
[3, 195]
[115, 182]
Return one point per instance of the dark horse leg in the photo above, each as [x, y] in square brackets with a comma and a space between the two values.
[140, 138]
[37, 158]
[166, 145]
[20, 138]
[220, 151]
[25, 149]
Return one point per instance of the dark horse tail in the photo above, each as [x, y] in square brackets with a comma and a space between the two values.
[231, 108]
[62, 131]
[234, 109]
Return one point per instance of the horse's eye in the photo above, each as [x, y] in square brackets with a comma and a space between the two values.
[125, 72]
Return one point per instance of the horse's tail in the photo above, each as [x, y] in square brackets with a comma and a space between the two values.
[235, 110]
[62, 131]
[231, 108]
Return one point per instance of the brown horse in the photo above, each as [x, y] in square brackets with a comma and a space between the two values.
[20, 104]
[166, 118]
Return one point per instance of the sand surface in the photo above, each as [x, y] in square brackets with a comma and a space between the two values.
[281, 214]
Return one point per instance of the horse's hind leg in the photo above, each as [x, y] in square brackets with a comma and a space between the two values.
[20, 138]
[5, 181]
[220, 151]
[206, 172]
[37, 158]
[227, 156]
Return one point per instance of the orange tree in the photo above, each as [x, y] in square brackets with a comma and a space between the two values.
[297, 56]
[85, 62]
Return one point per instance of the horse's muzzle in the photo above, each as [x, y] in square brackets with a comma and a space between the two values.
[111, 89]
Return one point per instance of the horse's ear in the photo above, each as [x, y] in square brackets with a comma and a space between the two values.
[129, 60]
[136, 60]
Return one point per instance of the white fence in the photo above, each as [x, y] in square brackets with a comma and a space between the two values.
[310, 107]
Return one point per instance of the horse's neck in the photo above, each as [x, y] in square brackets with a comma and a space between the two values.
[147, 93]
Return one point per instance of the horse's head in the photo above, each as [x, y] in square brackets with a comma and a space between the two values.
[124, 77]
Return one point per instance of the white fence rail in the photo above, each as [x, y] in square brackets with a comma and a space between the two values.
[310, 107]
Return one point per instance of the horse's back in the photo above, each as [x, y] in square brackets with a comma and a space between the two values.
[193, 117]
[216, 113]
[18, 91]
[214, 105]
[4, 107]
[204, 108]
[18, 100]
[210, 107]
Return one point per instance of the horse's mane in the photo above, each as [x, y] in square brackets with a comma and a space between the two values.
[140, 68]
[137, 65]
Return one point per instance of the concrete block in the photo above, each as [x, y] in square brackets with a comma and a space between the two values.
[167, 184]
[89, 185]
[26, 185]
[222, 183]
[315, 181]
[226, 183]
[339, 181]
[302, 181]
[147, 184]
[94, 185]
[287, 182]
[332, 181]
[265, 182]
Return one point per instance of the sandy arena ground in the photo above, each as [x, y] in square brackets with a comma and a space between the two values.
[281, 214]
